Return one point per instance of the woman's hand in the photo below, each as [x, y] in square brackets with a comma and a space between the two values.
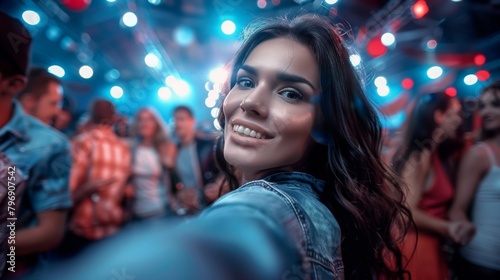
[95, 185]
[461, 232]
[91, 187]
[189, 198]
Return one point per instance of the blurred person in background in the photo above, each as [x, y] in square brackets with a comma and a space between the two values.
[390, 144]
[153, 159]
[478, 191]
[195, 164]
[98, 182]
[63, 121]
[83, 124]
[435, 118]
[42, 96]
[122, 128]
[39, 153]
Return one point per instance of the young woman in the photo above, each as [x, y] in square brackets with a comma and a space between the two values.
[478, 189]
[302, 132]
[314, 201]
[153, 154]
[434, 119]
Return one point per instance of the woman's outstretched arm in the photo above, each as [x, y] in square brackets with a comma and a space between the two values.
[234, 240]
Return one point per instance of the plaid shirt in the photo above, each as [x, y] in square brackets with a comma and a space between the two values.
[99, 154]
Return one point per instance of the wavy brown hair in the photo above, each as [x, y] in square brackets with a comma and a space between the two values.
[364, 196]
[421, 126]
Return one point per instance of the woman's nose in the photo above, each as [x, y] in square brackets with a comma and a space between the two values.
[257, 102]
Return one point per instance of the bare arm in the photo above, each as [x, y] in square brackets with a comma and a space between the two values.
[415, 175]
[44, 237]
[81, 155]
[472, 169]
[168, 155]
[91, 187]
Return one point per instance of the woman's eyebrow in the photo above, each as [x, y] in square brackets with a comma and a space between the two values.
[251, 70]
[282, 76]
[294, 79]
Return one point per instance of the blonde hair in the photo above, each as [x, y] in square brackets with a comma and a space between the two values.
[162, 133]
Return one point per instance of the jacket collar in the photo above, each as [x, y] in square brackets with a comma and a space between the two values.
[18, 124]
[310, 182]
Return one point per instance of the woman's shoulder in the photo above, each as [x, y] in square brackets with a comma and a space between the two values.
[477, 156]
[479, 150]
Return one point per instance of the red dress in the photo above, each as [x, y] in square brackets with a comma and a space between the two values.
[428, 261]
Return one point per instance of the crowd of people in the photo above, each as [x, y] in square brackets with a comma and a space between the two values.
[295, 185]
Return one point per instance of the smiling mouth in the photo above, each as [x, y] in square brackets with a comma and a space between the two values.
[245, 131]
[489, 118]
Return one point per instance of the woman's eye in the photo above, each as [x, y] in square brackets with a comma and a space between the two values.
[245, 83]
[494, 103]
[291, 94]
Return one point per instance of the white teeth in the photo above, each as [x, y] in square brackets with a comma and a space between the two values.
[247, 131]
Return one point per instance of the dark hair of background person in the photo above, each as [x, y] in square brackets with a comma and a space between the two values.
[185, 109]
[364, 196]
[102, 112]
[421, 126]
[15, 46]
[494, 88]
[38, 81]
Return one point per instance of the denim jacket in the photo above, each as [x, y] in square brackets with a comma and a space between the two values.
[42, 156]
[291, 200]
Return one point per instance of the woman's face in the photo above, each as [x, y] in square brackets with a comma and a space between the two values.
[147, 124]
[268, 113]
[451, 119]
[489, 108]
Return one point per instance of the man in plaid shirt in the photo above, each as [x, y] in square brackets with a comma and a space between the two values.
[101, 167]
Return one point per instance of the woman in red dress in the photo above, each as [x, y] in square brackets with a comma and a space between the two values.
[435, 118]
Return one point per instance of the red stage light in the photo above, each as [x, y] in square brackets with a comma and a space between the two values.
[276, 2]
[432, 44]
[451, 91]
[262, 4]
[375, 47]
[407, 83]
[419, 9]
[76, 5]
[479, 59]
[483, 75]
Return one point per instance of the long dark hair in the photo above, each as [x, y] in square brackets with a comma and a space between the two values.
[494, 88]
[421, 128]
[362, 194]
